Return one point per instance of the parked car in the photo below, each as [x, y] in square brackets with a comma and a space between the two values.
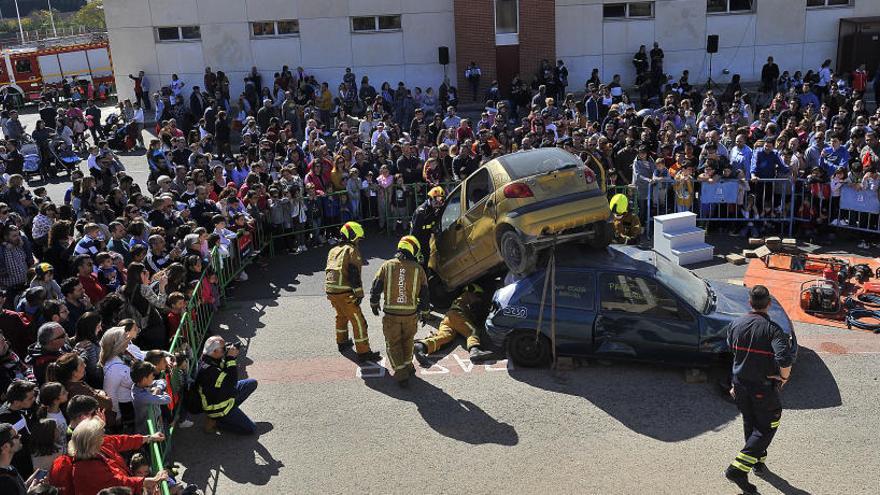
[512, 208]
[623, 303]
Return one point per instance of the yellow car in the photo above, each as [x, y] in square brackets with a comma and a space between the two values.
[512, 208]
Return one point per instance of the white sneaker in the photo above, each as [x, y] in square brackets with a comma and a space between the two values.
[301, 249]
[332, 241]
[185, 424]
[242, 277]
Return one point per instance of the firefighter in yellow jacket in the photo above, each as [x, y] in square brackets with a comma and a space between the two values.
[469, 307]
[405, 287]
[625, 224]
[345, 291]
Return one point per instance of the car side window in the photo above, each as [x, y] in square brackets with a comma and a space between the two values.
[452, 210]
[638, 295]
[574, 290]
[478, 185]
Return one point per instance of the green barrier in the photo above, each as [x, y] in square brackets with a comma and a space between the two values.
[194, 327]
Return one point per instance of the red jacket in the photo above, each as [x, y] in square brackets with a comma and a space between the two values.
[61, 474]
[92, 287]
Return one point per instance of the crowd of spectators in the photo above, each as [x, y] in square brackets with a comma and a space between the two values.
[93, 285]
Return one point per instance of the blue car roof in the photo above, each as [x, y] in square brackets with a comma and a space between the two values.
[621, 258]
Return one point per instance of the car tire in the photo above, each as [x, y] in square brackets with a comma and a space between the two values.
[525, 351]
[519, 257]
[603, 236]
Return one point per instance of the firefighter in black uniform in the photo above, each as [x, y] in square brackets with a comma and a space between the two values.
[426, 220]
[762, 358]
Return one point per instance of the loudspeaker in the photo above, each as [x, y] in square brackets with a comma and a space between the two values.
[712, 43]
[443, 55]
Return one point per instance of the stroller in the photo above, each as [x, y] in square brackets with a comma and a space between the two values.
[31, 153]
[64, 155]
[120, 137]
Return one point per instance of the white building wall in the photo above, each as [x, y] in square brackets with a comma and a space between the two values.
[325, 46]
[797, 37]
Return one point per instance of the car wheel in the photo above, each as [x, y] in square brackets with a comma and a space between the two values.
[603, 237]
[519, 257]
[524, 350]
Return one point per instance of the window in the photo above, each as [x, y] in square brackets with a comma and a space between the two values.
[178, 33]
[729, 6]
[638, 295]
[629, 10]
[373, 23]
[288, 27]
[478, 186]
[829, 3]
[452, 210]
[23, 65]
[506, 16]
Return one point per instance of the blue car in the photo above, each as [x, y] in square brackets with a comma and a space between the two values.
[623, 303]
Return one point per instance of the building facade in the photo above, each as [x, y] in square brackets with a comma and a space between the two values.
[398, 40]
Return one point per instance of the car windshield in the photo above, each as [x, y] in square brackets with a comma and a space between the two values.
[681, 280]
[519, 165]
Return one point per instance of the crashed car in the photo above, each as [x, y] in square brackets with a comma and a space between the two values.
[624, 303]
[513, 207]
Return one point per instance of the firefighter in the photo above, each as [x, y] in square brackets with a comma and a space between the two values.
[470, 306]
[762, 359]
[425, 221]
[403, 282]
[345, 291]
[625, 225]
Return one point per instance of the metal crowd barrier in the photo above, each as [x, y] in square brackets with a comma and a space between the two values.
[784, 206]
[195, 324]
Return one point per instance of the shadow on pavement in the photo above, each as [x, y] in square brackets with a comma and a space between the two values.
[656, 402]
[245, 460]
[453, 418]
[781, 484]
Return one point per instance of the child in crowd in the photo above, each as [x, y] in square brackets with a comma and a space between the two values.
[838, 181]
[176, 303]
[298, 217]
[749, 211]
[108, 274]
[684, 189]
[146, 391]
[280, 219]
[44, 276]
[52, 395]
[660, 192]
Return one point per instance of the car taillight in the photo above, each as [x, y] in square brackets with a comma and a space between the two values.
[517, 190]
[589, 176]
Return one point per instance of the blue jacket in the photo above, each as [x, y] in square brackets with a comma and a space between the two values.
[766, 165]
[834, 159]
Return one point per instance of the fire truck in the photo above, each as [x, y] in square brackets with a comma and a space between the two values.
[26, 70]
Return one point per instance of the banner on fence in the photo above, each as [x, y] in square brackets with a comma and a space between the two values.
[719, 192]
[859, 200]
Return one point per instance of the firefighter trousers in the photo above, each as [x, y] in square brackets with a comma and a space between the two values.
[453, 323]
[399, 334]
[761, 410]
[347, 311]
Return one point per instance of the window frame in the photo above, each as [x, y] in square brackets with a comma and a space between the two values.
[275, 29]
[727, 11]
[626, 14]
[481, 172]
[458, 191]
[180, 38]
[848, 4]
[376, 28]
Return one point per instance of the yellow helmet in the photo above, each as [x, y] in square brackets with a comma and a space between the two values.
[410, 245]
[352, 231]
[437, 192]
[619, 204]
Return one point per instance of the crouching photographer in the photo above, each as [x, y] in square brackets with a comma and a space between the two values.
[219, 389]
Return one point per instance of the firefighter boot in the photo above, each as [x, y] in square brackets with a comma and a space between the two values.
[210, 425]
[420, 350]
[342, 346]
[478, 355]
[368, 356]
[741, 479]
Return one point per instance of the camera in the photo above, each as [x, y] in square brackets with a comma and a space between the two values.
[237, 345]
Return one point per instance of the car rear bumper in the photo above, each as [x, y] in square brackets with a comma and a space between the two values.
[558, 215]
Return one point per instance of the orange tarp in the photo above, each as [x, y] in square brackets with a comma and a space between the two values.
[785, 286]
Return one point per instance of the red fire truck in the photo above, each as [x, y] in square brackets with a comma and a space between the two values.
[26, 70]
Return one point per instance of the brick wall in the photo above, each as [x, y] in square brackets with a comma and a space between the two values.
[474, 41]
[537, 35]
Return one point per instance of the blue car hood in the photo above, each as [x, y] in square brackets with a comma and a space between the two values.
[732, 301]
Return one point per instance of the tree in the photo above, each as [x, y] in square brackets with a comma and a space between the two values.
[91, 16]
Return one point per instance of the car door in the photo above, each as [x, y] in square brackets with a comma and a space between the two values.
[641, 319]
[479, 217]
[452, 253]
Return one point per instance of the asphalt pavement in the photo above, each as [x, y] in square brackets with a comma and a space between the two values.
[327, 425]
